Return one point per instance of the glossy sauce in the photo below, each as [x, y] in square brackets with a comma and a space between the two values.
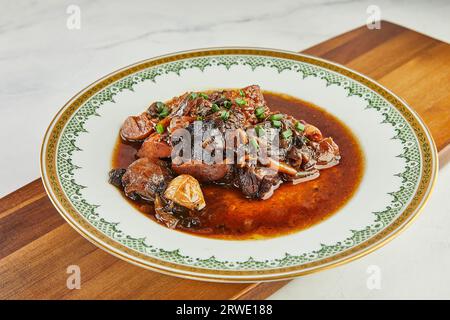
[229, 215]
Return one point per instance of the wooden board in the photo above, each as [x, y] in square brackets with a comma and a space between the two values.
[37, 245]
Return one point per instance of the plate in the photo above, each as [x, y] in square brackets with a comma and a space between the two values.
[400, 165]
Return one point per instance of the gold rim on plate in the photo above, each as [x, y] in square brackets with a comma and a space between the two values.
[69, 213]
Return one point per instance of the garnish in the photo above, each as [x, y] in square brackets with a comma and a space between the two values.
[286, 134]
[277, 117]
[224, 115]
[203, 95]
[162, 110]
[240, 101]
[193, 95]
[159, 128]
[159, 106]
[254, 144]
[164, 113]
[259, 112]
[242, 93]
[215, 107]
[227, 104]
[276, 123]
[260, 131]
[299, 126]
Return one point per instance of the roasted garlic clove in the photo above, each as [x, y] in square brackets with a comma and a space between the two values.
[185, 191]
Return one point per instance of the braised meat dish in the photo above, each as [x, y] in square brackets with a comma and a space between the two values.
[227, 139]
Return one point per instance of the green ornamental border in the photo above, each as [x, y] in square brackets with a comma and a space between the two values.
[75, 126]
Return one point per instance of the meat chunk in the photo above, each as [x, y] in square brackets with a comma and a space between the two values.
[236, 119]
[295, 157]
[180, 123]
[308, 158]
[200, 107]
[202, 171]
[181, 105]
[238, 105]
[257, 183]
[136, 128]
[327, 153]
[115, 177]
[154, 147]
[254, 97]
[313, 133]
[246, 101]
[145, 178]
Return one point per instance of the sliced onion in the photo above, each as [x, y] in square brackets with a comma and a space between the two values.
[303, 176]
[269, 193]
[330, 164]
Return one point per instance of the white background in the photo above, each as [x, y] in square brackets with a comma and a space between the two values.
[43, 63]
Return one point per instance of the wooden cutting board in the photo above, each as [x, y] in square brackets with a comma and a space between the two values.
[37, 246]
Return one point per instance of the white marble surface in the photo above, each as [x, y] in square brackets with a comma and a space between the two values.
[43, 63]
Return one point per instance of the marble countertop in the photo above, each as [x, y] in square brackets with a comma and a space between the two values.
[43, 62]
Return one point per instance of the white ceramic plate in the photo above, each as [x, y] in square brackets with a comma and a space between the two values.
[400, 164]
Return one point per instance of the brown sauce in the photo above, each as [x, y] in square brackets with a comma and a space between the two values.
[229, 215]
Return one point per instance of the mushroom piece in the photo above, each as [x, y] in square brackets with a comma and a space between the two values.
[185, 190]
[167, 218]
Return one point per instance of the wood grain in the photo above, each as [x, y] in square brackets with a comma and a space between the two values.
[38, 246]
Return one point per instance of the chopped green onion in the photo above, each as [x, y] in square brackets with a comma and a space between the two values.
[164, 113]
[159, 128]
[286, 134]
[204, 95]
[193, 95]
[159, 106]
[276, 123]
[215, 107]
[254, 144]
[240, 101]
[259, 112]
[224, 115]
[242, 93]
[227, 104]
[276, 117]
[299, 126]
[162, 109]
[260, 131]
[199, 118]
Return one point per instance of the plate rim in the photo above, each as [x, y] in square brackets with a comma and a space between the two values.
[250, 275]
